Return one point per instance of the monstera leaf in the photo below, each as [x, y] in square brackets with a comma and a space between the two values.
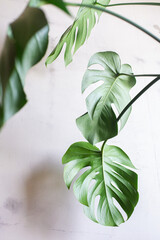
[108, 177]
[25, 45]
[75, 36]
[100, 122]
[58, 3]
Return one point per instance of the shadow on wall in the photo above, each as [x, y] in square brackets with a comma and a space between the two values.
[45, 191]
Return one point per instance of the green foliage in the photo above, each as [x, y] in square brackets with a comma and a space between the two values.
[25, 45]
[75, 36]
[106, 175]
[100, 122]
[58, 3]
[107, 183]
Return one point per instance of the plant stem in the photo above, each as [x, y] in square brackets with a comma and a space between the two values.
[115, 15]
[146, 75]
[103, 145]
[137, 96]
[140, 75]
[134, 24]
[132, 101]
[134, 3]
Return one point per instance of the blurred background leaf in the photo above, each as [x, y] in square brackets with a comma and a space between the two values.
[25, 45]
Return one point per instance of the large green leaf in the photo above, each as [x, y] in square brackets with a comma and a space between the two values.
[100, 122]
[58, 3]
[75, 36]
[25, 45]
[108, 177]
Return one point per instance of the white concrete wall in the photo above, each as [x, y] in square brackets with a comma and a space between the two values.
[34, 202]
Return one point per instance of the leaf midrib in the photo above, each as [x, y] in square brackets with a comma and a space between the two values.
[103, 171]
[106, 96]
[74, 24]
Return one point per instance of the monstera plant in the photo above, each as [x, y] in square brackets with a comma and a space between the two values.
[107, 186]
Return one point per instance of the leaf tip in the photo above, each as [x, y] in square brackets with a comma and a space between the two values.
[48, 60]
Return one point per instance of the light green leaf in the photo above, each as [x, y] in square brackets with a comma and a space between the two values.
[75, 36]
[100, 122]
[106, 175]
[25, 45]
[58, 3]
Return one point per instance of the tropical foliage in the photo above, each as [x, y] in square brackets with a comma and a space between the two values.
[117, 81]
[76, 34]
[108, 176]
[106, 184]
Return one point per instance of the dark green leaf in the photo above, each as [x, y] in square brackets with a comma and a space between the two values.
[106, 175]
[75, 36]
[58, 3]
[100, 122]
[25, 45]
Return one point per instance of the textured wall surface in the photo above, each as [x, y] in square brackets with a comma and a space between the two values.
[34, 202]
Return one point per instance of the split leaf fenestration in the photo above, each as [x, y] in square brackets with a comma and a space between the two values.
[107, 175]
[76, 34]
[25, 45]
[100, 122]
[58, 3]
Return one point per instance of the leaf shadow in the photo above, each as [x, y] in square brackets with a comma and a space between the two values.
[44, 197]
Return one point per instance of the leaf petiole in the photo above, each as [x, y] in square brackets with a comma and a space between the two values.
[134, 100]
[137, 96]
[141, 75]
[134, 3]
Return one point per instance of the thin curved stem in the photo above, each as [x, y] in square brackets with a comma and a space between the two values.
[134, 100]
[103, 145]
[102, 9]
[140, 75]
[134, 24]
[146, 75]
[134, 3]
[137, 96]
